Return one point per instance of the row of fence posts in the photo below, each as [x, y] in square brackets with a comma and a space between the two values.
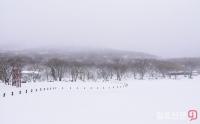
[62, 88]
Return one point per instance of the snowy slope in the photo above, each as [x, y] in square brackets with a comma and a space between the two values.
[138, 103]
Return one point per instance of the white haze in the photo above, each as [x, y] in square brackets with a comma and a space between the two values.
[168, 28]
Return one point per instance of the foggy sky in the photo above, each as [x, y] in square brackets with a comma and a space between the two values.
[168, 28]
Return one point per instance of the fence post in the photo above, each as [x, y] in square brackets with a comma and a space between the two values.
[12, 93]
[4, 94]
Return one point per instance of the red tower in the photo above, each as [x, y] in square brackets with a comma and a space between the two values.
[16, 76]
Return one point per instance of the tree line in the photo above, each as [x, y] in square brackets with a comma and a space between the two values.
[73, 69]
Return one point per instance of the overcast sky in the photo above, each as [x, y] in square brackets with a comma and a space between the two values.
[168, 28]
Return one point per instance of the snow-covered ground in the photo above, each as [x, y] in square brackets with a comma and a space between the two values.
[141, 102]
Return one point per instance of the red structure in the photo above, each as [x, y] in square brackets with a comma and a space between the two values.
[16, 76]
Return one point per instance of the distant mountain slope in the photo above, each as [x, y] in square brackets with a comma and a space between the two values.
[79, 53]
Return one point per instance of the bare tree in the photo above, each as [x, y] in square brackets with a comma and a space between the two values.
[75, 70]
[190, 65]
[142, 66]
[120, 68]
[103, 72]
[57, 68]
[152, 69]
[163, 67]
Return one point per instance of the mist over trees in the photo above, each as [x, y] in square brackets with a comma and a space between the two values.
[92, 67]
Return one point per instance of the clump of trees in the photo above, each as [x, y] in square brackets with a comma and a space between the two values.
[5, 70]
[115, 68]
[8, 66]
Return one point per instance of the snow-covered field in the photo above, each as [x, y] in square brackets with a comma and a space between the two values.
[141, 102]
